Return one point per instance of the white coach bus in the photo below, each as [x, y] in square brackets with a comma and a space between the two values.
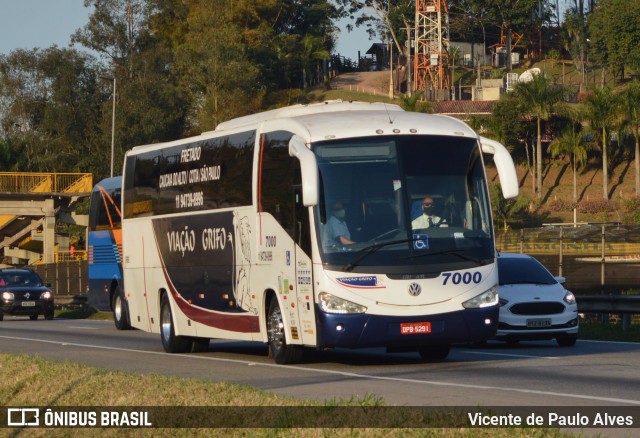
[229, 234]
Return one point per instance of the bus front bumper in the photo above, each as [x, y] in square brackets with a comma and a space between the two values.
[364, 330]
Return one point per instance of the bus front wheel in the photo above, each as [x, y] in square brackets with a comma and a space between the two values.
[120, 311]
[171, 342]
[279, 350]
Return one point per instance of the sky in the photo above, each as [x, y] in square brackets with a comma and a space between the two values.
[26, 24]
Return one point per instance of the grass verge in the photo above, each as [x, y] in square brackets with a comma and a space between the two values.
[83, 313]
[29, 381]
[608, 332]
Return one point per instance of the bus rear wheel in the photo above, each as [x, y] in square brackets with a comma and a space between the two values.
[171, 342]
[434, 352]
[120, 311]
[279, 350]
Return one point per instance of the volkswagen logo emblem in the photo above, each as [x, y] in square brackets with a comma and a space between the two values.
[414, 289]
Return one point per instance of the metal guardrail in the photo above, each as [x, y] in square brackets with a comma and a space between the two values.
[608, 303]
[625, 305]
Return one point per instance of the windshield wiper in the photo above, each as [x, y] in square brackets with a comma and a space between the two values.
[455, 252]
[364, 252]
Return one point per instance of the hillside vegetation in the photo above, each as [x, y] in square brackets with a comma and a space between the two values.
[555, 204]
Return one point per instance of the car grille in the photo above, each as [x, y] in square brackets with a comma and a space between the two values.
[542, 308]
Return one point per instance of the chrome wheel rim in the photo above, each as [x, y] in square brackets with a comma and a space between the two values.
[117, 308]
[165, 322]
[276, 328]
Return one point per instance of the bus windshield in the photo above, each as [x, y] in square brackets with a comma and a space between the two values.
[403, 205]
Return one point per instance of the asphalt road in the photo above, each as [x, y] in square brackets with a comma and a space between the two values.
[530, 374]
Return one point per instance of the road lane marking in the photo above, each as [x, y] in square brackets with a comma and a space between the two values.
[343, 373]
[485, 353]
[83, 327]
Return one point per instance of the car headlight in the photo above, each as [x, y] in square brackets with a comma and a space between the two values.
[569, 298]
[8, 296]
[46, 295]
[485, 299]
[333, 304]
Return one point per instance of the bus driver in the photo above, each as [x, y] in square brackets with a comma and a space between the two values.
[428, 219]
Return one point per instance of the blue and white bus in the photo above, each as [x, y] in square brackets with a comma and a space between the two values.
[224, 234]
[105, 251]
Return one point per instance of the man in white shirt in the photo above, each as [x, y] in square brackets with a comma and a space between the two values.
[337, 232]
[427, 219]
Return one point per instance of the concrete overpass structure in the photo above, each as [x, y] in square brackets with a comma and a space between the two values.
[30, 206]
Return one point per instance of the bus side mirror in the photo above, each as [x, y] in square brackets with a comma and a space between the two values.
[308, 169]
[505, 166]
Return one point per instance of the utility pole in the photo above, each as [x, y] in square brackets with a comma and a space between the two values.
[409, 63]
[391, 69]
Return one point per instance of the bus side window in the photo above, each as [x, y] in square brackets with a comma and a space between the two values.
[278, 180]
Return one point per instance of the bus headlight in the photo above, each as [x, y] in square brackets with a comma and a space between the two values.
[485, 299]
[333, 304]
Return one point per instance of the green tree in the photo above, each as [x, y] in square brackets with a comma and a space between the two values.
[132, 39]
[506, 209]
[539, 96]
[571, 142]
[630, 113]
[574, 36]
[600, 112]
[214, 65]
[387, 18]
[614, 31]
[412, 104]
[313, 49]
[49, 116]
[512, 14]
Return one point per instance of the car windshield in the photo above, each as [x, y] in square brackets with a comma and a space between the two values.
[404, 204]
[19, 278]
[523, 271]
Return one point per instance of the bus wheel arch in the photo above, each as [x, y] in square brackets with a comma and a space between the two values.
[120, 308]
[279, 350]
[171, 342]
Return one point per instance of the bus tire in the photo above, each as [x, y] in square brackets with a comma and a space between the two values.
[279, 350]
[171, 342]
[434, 352]
[120, 310]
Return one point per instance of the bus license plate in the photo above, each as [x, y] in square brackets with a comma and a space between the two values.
[542, 322]
[28, 304]
[415, 328]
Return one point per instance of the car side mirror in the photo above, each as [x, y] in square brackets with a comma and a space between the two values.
[560, 280]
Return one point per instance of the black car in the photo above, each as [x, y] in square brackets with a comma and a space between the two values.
[23, 292]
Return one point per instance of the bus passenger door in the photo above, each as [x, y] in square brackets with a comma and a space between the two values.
[304, 278]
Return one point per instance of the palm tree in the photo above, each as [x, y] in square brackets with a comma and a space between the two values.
[313, 49]
[571, 143]
[506, 209]
[538, 97]
[599, 110]
[630, 112]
